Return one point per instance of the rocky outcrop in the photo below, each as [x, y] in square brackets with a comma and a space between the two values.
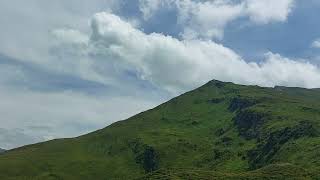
[249, 122]
[272, 143]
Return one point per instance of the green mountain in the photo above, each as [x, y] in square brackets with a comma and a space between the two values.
[218, 131]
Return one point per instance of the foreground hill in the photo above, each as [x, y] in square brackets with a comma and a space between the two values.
[218, 131]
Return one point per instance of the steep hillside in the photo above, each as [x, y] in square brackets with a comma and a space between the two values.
[220, 130]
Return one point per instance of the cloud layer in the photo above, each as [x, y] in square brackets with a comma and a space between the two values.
[178, 65]
[38, 104]
[30, 116]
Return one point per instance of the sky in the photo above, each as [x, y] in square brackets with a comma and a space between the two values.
[71, 67]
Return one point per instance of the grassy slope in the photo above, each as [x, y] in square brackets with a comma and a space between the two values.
[218, 130]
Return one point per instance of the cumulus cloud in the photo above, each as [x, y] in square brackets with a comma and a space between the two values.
[207, 19]
[116, 41]
[178, 65]
[25, 24]
[316, 43]
[266, 11]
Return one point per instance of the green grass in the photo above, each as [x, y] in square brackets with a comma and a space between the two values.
[276, 171]
[218, 131]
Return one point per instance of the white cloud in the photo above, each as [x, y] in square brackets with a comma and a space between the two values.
[287, 72]
[25, 25]
[176, 65]
[147, 7]
[266, 11]
[316, 43]
[70, 36]
[185, 63]
[207, 19]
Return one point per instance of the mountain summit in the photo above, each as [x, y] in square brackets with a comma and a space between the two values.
[218, 131]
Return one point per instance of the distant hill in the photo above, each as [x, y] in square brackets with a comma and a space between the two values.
[2, 150]
[218, 131]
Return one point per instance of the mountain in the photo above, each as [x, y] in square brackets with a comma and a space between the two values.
[2, 150]
[218, 131]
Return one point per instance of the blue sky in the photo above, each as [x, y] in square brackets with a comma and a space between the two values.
[71, 67]
[292, 38]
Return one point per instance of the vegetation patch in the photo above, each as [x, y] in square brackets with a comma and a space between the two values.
[219, 132]
[215, 100]
[217, 84]
[146, 155]
[148, 159]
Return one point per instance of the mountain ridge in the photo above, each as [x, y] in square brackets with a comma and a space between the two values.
[222, 128]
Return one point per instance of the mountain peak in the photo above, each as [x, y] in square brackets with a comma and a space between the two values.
[220, 128]
[218, 83]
